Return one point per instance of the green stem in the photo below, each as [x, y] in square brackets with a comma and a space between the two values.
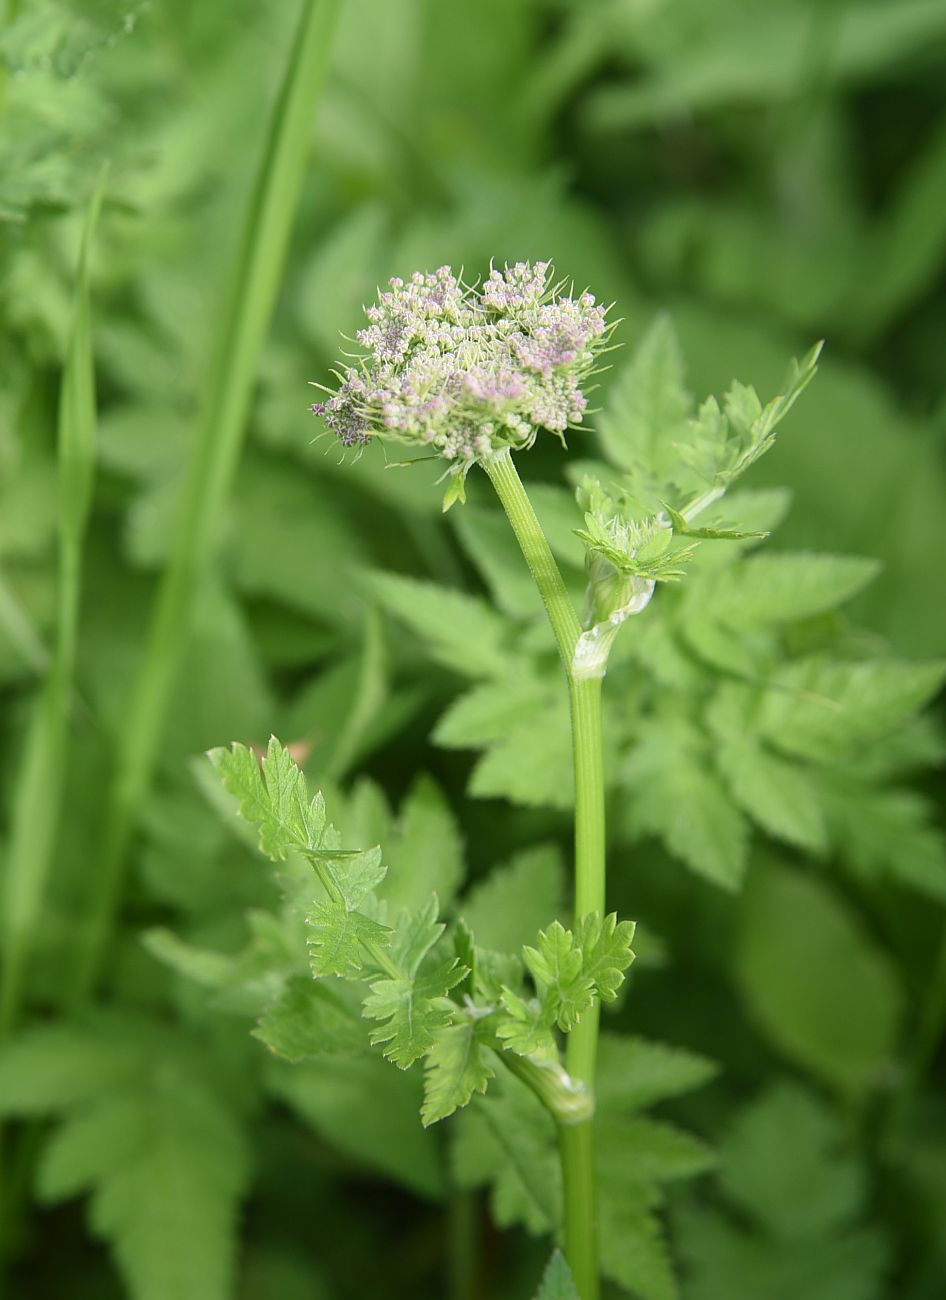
[570, 1103]
[576, 1139]
[257, 271]
[589, 848]
[504, 478]
[576, 1144]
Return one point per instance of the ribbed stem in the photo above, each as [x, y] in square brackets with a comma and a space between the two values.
[504, 478]
[580, 1207]
[589, 848]
[576, 1140]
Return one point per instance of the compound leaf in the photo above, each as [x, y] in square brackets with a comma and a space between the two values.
[273, 796]
[309, 1019]
[457, 1066]
[412, 1005]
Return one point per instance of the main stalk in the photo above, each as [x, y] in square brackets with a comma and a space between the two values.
[576, 1140]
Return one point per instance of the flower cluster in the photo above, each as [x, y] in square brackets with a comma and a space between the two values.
[465, 371]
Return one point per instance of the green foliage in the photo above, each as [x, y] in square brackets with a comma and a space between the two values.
[39, 792]
[412, 1004]
[741, 686]
[821, 990]
[676, 467]
[634, 1072]
[307, 1019]
[507, 1143]
[330, 1096]
[271, 794]
[151, 1134]
[799, 1196]
[571, 973]
[649, 406]
[457, 1067]
[772, 174]
[557, 1283]
[453, 1012]
[462, 633]
[506, 909]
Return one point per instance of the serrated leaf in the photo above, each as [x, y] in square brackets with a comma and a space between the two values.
[354, 875]
[413, 1006]
[309, 1019]
[822, 709]
[555, 964]
[722, 443]
[569, 974]
[463, 633]
[337, 944]
[634, 1073]
[639, 1149]
[363, 1108]
[169, 1208]
[456, 1067]
[820, 989]
[780, 796]
[557, 1282]
[516, 899]
[673, 794]
[526, 1025]
[425, 852]
[413, 1011]
[634, 1252]
[508, 1142]
[887, 832]
[605, 952]
[648, 404]
[484, 713]
[784, 588]
[272, 796]
[532, 764]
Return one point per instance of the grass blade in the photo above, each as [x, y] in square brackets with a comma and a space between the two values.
[38, 793]
[17, 626]
[243, 321]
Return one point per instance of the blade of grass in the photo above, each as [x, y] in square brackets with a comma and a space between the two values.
[38, 792]
[243, 321]
[17, 626]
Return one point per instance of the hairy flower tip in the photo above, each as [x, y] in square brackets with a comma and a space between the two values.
[465, 371]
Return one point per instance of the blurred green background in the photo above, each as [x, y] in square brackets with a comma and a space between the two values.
[768, 174]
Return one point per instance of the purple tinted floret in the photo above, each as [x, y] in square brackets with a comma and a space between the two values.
[465, 372]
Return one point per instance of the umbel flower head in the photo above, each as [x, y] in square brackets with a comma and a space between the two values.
[464, 371]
